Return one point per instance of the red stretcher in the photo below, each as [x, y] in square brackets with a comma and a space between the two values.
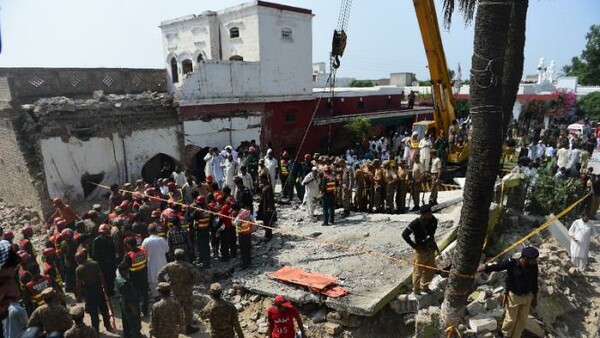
[314, 281]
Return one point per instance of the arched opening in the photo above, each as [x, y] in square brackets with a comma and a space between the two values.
[89, 183]
[174, 70]
[194, 160]
[236, 58]
[199, 58]
[234, 32]
[186, 66]
[159, 166]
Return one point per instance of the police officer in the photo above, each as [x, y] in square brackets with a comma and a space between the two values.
[52, 316]
[89, 286]
[105, 253]
[79, 329]
[328, 190]
[137, 261]
[424, 245]
[222, 315]
[379, 186]
[167, 315]
[391, 182]
[346, 186]
[402, 187]
[182, 277]
[129, 303]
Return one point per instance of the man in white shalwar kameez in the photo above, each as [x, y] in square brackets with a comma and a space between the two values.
[156, 249]
[581, 232]
[311, 182]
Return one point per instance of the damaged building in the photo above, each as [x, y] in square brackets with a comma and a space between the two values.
[239, 74]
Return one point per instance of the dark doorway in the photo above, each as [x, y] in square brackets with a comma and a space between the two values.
[89, 183]
[174, 70]
[159, 166]
[197, 164]
[186, 66]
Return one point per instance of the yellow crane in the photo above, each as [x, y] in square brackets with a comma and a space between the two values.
[441, 87]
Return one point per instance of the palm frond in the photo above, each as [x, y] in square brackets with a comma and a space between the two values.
[466, 7]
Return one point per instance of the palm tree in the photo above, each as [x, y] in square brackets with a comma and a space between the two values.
[492, 25]
[513, 59]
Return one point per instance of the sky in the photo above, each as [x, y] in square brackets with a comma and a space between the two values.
[383, 35]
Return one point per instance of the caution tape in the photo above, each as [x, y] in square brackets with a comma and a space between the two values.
[541, 227]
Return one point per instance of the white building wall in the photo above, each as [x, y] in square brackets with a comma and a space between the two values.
[119, 159]
[286, 63]
[246, 45]
[221, 132]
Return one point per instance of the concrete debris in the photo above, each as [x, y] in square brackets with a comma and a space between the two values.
[482, 323]
[332, 329]
[475, 308]
[320, 316]
[534, 327]
[15, 217]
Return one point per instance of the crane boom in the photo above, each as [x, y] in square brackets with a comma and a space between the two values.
[443, 98]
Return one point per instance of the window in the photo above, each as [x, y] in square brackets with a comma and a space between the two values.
[290, 117]
[286, 34]
[174, 70]
[234, 32]
[236, 58]
[186, 66]
[200, 58]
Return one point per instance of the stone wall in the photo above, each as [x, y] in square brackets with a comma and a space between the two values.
[21, 185]
[22, 85]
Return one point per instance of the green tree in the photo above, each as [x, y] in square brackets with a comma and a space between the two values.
[589, 106]
[425, 83]
[361, 83]
[587, 66]
[359, 128]
[462, 108]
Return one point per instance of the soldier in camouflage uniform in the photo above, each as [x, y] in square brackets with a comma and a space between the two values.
[337, 173]
[167, 315]
[222, 315]
[360, 198]
[79, 329]
[128, 301]
[182, 276]
[369, 185]
[52, 316]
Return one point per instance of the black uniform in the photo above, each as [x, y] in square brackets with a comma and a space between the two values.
[104, 252]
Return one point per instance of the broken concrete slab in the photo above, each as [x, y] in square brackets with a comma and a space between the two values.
[482, 323]
[534, 327]
[372, 282]
[475, 308]
[559, 232]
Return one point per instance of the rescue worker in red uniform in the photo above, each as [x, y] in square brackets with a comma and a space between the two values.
[244, 227]
[25, 242]
[34, 288]
[50, 266]
[69, 249]
[201, 221]
[137, 261]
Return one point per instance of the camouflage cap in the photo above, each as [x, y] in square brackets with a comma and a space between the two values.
[163, 287]
[216, 289]
[77, 311]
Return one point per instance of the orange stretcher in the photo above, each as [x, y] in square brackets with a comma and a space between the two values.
[314, 281]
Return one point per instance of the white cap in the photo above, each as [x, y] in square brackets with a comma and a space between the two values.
[415, 133]
[315, 169]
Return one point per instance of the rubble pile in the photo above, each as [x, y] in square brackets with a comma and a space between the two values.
[15, 217]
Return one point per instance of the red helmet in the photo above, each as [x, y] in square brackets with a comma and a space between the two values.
[58, 219]
[103, 229]
[285, 154]
[124, 204]
[149, 192]
[8, 235]
[251, 150]
[307, 157]
[49, 252]
[155, 214]
[327, 168]
[200, 199]
[171, 184]
[209, 179]
[24, 256]
[27, 231]
[67, 233]
[60, 225]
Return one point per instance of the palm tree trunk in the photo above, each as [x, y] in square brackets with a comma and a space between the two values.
[513, 59]
[491, 28]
